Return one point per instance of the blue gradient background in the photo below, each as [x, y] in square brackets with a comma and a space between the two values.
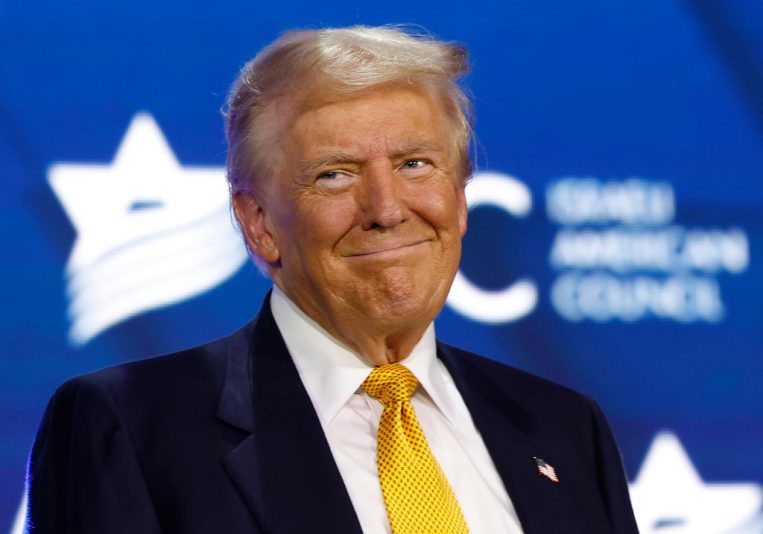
[660, 89]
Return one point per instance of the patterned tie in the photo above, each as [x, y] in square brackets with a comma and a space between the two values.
[416, 493]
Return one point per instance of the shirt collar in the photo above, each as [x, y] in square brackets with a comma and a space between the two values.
[332, 372]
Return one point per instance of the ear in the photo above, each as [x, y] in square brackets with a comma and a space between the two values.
[462, 209]
[253, 220]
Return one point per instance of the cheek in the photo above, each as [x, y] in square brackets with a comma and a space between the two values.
[321, 222]
[442, 211]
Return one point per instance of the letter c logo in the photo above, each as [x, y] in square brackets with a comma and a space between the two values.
[518, 299]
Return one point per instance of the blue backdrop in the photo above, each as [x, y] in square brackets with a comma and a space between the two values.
[615, 232]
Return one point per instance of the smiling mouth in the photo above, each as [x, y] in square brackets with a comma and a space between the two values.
[385, 250]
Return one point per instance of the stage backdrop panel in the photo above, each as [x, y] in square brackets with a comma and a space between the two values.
[614, 241]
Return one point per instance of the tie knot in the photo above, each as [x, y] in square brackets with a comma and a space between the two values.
[390, 383]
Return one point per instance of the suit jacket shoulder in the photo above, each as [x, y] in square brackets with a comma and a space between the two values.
[137, 448]
[218, 438]
[528, 396]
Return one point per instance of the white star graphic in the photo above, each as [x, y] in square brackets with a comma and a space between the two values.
[150, 232]
[670, 497]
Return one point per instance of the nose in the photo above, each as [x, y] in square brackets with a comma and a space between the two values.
[382, 198]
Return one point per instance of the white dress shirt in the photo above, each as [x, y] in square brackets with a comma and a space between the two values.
[332, 375]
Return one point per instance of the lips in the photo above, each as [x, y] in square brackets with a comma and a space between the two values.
[387, 248]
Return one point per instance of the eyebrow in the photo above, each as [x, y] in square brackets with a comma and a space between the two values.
[416, 147]
[327, 160]
[339, 157]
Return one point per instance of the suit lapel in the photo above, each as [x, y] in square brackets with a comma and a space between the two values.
[284, 469]
[286, 473]
[507, 431]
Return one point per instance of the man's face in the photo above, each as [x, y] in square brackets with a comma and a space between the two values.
[362, 221]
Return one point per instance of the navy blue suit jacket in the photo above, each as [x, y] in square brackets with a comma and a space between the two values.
[223, 438]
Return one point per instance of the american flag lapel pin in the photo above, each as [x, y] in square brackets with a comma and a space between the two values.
[546, 469]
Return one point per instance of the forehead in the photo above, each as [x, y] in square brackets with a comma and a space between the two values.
[369, 123]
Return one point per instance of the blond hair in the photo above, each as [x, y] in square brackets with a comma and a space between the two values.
[336, 63]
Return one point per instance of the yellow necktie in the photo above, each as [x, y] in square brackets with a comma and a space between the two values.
[416, 493]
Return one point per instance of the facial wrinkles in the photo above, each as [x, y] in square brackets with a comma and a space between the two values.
[340, 246]
[374, 164]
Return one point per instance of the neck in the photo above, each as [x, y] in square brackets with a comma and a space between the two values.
[380, 350]
[375, 342]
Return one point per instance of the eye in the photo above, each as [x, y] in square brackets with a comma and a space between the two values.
[334, 180]
[416, 168]
[414, 164]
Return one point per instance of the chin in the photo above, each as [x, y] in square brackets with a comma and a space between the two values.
[401, 295]
[404, 311]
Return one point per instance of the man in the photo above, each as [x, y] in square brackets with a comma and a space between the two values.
[335, 410]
